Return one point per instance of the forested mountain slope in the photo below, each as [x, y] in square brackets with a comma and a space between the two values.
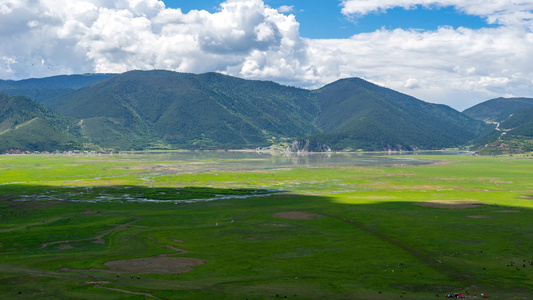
[164, 109]
[54, 82]
[29, 126]
[499, 109]
[41, 89]
[520, 123]
[512, 120]
[142, 108]
[357, 114]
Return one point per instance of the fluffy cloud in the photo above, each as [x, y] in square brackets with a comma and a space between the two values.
[455, 66]
[249, 39]
[244, 38]
[470, 64]
[286, 8]
[495, 11]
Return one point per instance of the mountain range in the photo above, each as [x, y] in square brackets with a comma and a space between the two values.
[40, 89]
[513, 118]
[170, 110]
[26, 125]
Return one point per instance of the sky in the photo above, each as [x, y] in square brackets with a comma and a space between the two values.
[453, 52]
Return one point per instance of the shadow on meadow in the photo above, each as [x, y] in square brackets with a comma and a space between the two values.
[254, 245]
[21, 192]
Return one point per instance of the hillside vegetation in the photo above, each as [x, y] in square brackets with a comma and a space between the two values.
[29, 126]
[163, 109]
[360, 115]
[41, 89]
[513, 121]
[55, 82]
[499, 109]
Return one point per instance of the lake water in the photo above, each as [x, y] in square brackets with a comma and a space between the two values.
[203, 161]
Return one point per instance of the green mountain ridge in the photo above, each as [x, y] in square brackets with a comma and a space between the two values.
[520, 123]
[356, 113]
[170, 110]
[513, 125]
[143, 108]
[55, 82]
[499, 109]
[27, 125]
[41, 89]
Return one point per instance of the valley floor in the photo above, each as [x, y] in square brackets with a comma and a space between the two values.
[116, 227]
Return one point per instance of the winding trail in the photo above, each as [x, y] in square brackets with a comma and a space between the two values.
[99, 239]
[126, 291]
[179, 251]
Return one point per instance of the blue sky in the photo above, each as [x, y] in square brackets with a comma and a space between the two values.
[454, 52]
[322, 19]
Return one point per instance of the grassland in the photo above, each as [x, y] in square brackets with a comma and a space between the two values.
[80, 228]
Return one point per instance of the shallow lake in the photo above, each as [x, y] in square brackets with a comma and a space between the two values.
[204, 161]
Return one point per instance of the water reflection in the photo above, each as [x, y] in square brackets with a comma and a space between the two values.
[202, 161]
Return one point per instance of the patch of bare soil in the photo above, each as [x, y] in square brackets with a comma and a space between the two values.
[478, 217]
[65, 247]
[508, 211]
[155, 264]
[297, 215]
[527, 197]
[451, 204]
[441, 163]
[99, 239]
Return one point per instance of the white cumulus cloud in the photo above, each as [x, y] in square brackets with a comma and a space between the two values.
[249, 39]
[243, 38]
[286, 8]
[496, 11]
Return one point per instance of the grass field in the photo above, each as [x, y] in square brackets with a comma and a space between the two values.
[114, 227]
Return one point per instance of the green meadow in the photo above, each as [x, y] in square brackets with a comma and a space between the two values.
[125, 227]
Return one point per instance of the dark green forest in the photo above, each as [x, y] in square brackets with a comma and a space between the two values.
[170, 110]
[26, 125]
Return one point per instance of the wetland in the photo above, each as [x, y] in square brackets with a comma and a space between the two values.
[338, 227]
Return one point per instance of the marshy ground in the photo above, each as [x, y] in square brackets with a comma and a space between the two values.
[121, 227]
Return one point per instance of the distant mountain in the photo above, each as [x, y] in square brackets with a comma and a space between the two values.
[146, 108]
[520, 123]
[499, 109]
[143, 109]
[26, 125]
[41, 89]
[38, 95]
[357, 114]
[513, 119]
[54, 82]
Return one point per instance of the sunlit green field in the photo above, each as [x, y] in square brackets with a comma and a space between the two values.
[116, 227]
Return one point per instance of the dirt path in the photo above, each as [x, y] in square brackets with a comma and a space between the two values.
[153, 264]
[30, 225]
[97, 239]
[180, 251]
[125, 291]
[437, 265]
